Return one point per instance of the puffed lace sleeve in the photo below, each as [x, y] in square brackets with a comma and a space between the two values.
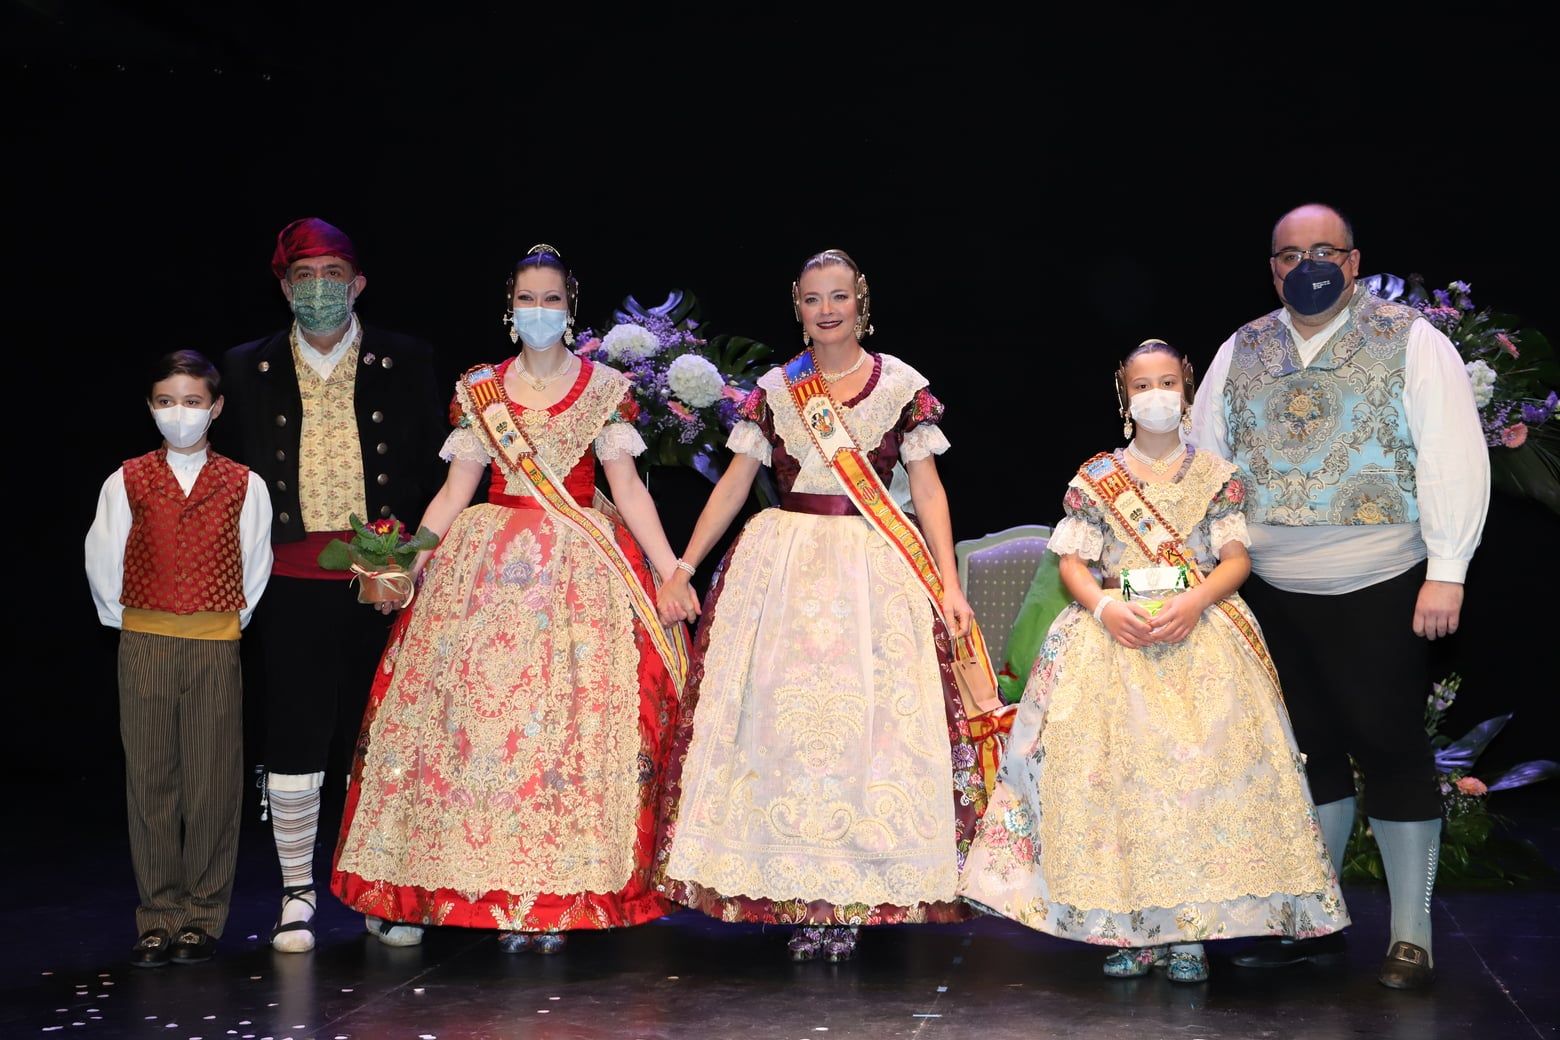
[751, 434]
[1082, 530]
[1227, 516]
[919, 423]
[620, 438]
[463, 444]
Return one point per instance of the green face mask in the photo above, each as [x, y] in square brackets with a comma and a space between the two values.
[321, 305]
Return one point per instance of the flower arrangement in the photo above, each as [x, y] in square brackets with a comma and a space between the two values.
[379, 556]
[1471, 850]
[687, 383]
[1514, 374]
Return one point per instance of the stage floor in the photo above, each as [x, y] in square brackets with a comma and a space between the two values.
[687, 977]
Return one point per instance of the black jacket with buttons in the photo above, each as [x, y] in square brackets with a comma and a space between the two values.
[401, 413]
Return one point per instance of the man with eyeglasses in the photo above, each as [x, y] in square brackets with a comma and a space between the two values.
[1367, 476]
[340, 419]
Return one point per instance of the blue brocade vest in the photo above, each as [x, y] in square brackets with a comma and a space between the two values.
[1327, 443]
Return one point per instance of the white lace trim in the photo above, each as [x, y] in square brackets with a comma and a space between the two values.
[926, 439]
[1074, 535]
[868, 420]
[464, 445]
[747, 438]
[1229, 528]
[618, 439]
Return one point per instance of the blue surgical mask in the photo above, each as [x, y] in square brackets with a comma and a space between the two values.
[1313, 286]
[540, 327]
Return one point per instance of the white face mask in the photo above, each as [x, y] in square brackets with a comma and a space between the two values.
[1157, 411]
[181, 426]
[540, 327]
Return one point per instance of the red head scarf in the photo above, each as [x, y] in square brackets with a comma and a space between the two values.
[311, 237]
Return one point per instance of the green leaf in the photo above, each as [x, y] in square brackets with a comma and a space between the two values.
[336, 556]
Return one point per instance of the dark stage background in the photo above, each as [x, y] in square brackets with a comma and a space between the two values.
[1029, 197]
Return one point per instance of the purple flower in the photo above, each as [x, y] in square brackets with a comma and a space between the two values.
[1442, 297]
[1536, 414]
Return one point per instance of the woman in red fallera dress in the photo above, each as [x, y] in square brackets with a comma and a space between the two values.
[508, 768]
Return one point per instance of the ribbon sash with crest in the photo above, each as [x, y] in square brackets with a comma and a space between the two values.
[1137, 518]
[484, 397]
[822, 418]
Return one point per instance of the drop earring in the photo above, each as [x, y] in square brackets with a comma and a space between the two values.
[1126, 427]
[806, 339]
[509, 319]
[568, 332]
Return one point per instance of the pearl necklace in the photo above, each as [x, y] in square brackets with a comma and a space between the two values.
[538, 382]
[834, 377]
[1159, 466]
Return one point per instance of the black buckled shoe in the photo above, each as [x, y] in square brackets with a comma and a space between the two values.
[151, 949]
[192, 946]
[1284, 953]
[1407, 967]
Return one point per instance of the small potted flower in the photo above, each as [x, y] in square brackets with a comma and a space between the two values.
[380, 558]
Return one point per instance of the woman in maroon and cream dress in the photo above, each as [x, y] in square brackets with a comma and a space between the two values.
[823, 774]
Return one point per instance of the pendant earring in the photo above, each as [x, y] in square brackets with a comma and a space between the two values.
[1186, 425]
[1126, 427]
[568, 332]
[509, 320]
[806, 338]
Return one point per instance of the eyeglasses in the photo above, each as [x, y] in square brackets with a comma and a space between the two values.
[1324, 253]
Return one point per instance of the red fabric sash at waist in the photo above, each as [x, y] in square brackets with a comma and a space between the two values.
[301, 559]
[818, 505]
[498, 498]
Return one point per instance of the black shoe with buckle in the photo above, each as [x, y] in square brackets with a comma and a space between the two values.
[151, 950]
[1407, 967]
[1284, 953]
[192, 945]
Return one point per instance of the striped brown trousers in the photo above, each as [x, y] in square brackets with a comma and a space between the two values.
[181, 720]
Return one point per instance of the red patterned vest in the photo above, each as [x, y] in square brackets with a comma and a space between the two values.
[183, 554]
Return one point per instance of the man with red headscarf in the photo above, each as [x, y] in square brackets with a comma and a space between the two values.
[340, 419]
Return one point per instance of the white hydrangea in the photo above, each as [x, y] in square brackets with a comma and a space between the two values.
[1483, 377]
[627, 343]
[695, 381]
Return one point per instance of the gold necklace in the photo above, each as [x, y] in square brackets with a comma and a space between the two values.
[834, 377]
[538, 382]
[1159, 466]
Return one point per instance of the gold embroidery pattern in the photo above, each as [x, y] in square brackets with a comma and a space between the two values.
[506, 753]
[330, 455]
[1153, 795]
[561, 440]
[820, 760]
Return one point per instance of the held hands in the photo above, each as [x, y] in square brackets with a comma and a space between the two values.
[957, 610]
[675, 600]
[1177, 617]
[1438, 609]
[1129, 624]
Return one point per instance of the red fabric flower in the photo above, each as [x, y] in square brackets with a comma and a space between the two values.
[1515, 435]
[753, 408]
[456, 411]
[1235, 491]
[925, 408]
[628, 408]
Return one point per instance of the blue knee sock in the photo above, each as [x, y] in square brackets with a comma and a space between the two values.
[1337, 820]
[1410, 850]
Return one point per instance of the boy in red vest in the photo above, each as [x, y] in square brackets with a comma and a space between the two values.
[177, 557]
